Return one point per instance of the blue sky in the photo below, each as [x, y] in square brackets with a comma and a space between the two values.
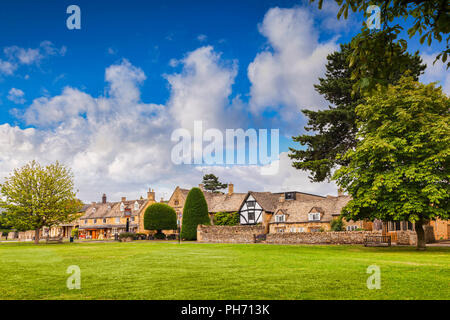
[141, 62]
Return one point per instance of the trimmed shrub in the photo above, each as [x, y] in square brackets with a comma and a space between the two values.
[160, 216]
[124, 235]
[75, 233]
[226, 218]
[195, 212]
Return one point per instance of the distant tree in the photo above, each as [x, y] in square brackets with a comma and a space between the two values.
[337, 224]
[400, 168]
[226, 218]
[212, 183]
[334, 129]
[37, 197]
[195, 212]
[160, 216]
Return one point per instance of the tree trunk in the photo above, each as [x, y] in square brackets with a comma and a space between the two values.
[421, 244]
[36, 236]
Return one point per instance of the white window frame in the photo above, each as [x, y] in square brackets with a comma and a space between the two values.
[314, 216]
[280, 218]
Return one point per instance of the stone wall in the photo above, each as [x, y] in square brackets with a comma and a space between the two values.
[228, 234]
[351, 237]
[409, 237]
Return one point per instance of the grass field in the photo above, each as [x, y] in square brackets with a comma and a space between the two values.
[152, 270]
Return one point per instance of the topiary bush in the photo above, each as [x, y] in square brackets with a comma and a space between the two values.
[195, 212]
[160, 216]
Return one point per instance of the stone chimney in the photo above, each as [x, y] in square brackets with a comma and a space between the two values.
[94, 203]
[151, 194]
[104, 198]
[230, 188]
[201, 186]
[282, 197]
[162, 199]
[124, 199]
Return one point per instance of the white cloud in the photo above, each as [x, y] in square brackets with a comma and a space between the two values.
[202, 37]
[283, 76]
[117, 144]
[202, 89]
[18, 56]
[436, 72]
[16, 96]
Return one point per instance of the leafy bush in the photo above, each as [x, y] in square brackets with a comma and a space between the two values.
[195, 212]
[140, 236]
[160, 216]
[127, 235]
[337, 224]
[159, 236]
[74, 233]
[172, 236]
[226, 218]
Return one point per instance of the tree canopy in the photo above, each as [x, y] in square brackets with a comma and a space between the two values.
[335, 128]
[431, 21]
[36, 196]
[400, 168]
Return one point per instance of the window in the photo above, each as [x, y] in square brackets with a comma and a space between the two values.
[85, 221]
[280, 218]
[314, 229]
[292, 230]
[136, 206]
[177, 202]
[104, 220]
[132, 219]
[251, 215]
[289, 196]
[280, 230]
[351, 228]
[251, 203]
[117, 220]
[301, 229]
[95, 221]
[314, 216]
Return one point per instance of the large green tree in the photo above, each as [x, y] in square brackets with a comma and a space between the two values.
[400, 168]
[160, 216]
[212, 183]
[431, 20]
[36, 196]
[335, 128]
[195, 212]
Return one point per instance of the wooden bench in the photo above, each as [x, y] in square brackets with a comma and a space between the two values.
[377, 241]
[54, 240]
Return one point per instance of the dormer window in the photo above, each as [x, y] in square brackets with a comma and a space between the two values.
[280, 218]
[289, 195]
[315, 216]
[94, 209]
[251, 204]
[122, 207]
[136, 206]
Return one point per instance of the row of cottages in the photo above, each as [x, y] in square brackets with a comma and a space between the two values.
[278, 212]
[103, 220]
[295, 211]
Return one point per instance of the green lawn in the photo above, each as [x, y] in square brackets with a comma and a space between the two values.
[152, 270]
